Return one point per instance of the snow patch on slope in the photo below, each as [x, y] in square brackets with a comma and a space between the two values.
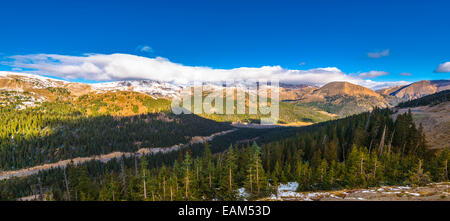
[37, 80]
[151, 87]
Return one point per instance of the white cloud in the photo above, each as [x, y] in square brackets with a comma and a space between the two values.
[406, 74]
[101, 67]
[302, 63]
[145, 48]
[443, 68]
[372, 74]
[378, 54]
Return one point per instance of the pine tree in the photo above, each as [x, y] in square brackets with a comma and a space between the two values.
[375, 173]
[206, 184]
[110, 189]
[321, 173]
[143, 176]
[330, 176]
[256, 182]
[355, 175]
[188, 177]
[417, 176]
[228, 185]
[440, 167]
[304, 176]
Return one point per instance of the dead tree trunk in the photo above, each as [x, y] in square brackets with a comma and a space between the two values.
[390, 141]
[446, 169]
[135, 166]
[361, 166]
[122, 167]
[145, 186]
[257, 179]
[375, 169]
[343, 153]
[210, 180]
[251, 181]
[67, 184]
[229, 180]
[368, 121]
[380, 149]
[370, 146]
[324, 141]
[187, 184]
[164, 188]
[41, 191]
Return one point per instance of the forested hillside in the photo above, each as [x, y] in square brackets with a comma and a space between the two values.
[431, 99]
[55, 131]
[288, 114]
[369, 149]
[35, 132]
[343, 99]
[122, 103]
[381, 147]
[432, 112]
[419, 89]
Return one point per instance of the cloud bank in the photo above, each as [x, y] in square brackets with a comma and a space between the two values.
[378, 54]
[372, 74]
[113, 67]
[443, 68]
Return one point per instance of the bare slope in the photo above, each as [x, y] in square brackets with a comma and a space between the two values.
[417, 89]
[338, 88]
[343, 98]
[435, 121]
[41, 88]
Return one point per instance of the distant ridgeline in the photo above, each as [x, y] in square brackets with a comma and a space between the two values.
[431, 99]
[364, 150]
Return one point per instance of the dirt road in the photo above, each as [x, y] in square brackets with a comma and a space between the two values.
[109, 156]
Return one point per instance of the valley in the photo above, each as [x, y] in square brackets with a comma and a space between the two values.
[112, 140]
[312, 103]
[107, 157]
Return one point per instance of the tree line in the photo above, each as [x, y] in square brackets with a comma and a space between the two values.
[431, 99]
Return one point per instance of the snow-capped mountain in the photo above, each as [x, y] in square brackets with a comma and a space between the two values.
[151, 87]
[33, 80]
[17, 81]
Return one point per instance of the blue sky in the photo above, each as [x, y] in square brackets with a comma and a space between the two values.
[412, 35]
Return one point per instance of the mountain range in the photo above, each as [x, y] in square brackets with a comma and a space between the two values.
[335, 98]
